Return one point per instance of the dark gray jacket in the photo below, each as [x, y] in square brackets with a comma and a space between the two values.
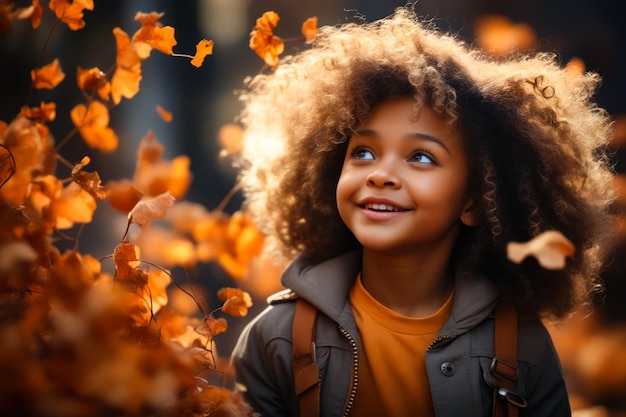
[458, 360]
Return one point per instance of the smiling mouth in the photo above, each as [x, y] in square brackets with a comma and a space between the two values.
[382, 208]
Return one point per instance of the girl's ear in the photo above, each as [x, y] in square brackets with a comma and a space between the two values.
[469, 215]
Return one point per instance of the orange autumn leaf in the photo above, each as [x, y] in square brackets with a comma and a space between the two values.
[34, 12]
[243, 243]
[153, 35]
[46, 112]
[71, 13]
[93, 79]
[263, 41]
[203, 48]
[93, 125]
[127, 76]
[498, 35]
[70, 276]
[149, 151]
[31, 151]
[126, 258]
[165, 115]
[74, 205]
[236, 301]
[210, 326]
[89, 181]
[151, 208]
[309, 29]
[154, 175]
[48, 76]
[156, 289]
[550, 249]
[122, 195]
[230, 137]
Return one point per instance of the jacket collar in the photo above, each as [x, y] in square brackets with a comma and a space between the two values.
[326, 285]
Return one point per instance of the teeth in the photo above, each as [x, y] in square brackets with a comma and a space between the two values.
[381, 207]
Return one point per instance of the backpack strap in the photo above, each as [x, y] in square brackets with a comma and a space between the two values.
[305, 372]
[506, 401]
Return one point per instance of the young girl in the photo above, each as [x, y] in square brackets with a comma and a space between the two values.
[393, 164]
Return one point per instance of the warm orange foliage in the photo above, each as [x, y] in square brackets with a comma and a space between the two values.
[120, 342]
[93, 79]
[236, 301]
[31, 152]
[34, 12]
[498, 35]
[550, 249]
[89, 181]
[46, 112]
[203, 48]
[230, 137]
[154, 175]
[48, 76]
[263, 41]
[309, 29]
[125, 81]
[93, 124]
[153, 35]
[150, 208]
[71, 13]
[165, 115]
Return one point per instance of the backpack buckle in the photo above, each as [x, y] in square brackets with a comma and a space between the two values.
[503, 369]
[512, 397]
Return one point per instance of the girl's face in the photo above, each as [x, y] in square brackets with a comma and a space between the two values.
[403, 185]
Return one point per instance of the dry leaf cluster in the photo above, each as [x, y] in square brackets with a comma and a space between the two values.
[78, 340]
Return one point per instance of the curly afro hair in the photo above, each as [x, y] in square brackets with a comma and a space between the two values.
[533, 135]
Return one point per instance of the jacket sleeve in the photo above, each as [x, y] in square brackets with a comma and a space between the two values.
[547, 394]
[262, 363]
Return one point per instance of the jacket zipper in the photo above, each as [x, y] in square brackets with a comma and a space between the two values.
[438, 340]
[355, 373]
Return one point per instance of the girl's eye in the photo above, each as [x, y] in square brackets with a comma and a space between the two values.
[362, 153]
[422, 158]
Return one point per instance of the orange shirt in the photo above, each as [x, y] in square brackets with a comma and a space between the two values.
[392, 377]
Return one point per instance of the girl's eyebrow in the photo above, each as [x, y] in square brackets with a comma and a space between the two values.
[422, 136]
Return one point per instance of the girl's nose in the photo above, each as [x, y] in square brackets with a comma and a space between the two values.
[383, 176]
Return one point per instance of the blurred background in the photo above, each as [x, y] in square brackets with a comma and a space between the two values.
[588, 33]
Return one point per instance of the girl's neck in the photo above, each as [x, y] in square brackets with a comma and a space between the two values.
[409, 285]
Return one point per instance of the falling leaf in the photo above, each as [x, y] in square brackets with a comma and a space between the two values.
[151, 208]
[123, 195]
[150, 150]
[153, 35]
[48, 76]
[244, 242]
[203, 48]
[309, 29]
[93, 79]
[550, 249]
[34, 12]
[93, 125]
[71, 13]
[127, 76]
[156, 289]
[165, 115]
[126, 258]
[74, 205]
[498, 35]
[89, 181]
[236, 301]
[46, 112]
[7, 165]
[210, 326]
[263, 41]
[230, 137]
[32, 154]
